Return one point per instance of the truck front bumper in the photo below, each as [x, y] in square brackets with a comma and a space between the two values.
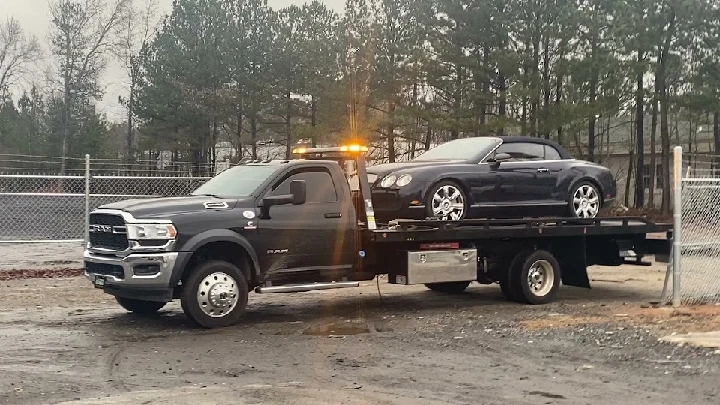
[145, 276]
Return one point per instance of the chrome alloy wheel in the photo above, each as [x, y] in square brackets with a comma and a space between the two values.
[586, 202]
[448, 203]
[541, 278]
[217, 294]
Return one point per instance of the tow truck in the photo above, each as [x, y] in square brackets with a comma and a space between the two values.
[282, 226]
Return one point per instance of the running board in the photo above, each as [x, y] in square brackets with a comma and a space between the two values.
[306, 287]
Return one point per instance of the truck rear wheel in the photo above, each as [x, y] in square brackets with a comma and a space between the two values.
[534, 277]
[215, 294]
[140, 307]
[455, 287]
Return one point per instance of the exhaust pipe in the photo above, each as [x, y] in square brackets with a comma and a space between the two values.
[306, 287]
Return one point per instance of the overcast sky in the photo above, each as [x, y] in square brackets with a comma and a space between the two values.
[34, 16]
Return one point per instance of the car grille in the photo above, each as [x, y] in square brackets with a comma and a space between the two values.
[108, 240]
[105, 269]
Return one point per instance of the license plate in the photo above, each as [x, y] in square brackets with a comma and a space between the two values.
[99, 282]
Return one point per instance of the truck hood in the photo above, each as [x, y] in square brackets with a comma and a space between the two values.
[168, 206]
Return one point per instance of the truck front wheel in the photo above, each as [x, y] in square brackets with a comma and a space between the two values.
[215, 294]
[138, 306]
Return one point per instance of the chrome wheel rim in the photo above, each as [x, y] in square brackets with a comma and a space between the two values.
[218, 294]
[448, 203]
[541, 278]
[586, 202]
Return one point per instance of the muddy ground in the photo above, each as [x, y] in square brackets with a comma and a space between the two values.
[63, 342]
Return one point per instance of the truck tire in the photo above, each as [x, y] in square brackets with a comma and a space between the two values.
[535, 277]
[508, 280]
[455, 287]
[215, 294]
[140, 307]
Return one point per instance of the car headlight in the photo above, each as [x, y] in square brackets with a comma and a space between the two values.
[151, 231]
[388, 181]
[403, 180]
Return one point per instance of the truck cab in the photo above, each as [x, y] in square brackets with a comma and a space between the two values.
[262, 223]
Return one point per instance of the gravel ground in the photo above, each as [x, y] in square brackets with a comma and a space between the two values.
[40, 256]
[62, 341]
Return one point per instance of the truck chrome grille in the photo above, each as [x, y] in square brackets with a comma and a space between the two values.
[104, 232]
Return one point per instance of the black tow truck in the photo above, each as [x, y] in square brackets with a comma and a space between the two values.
[279, 226]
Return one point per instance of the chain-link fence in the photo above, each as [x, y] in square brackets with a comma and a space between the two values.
[698, 267]
[52, 208]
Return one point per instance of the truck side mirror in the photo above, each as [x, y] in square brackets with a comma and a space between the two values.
[297, 196]
[298, 191]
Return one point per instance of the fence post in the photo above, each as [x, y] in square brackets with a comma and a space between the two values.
[87, 199]
[677, 222]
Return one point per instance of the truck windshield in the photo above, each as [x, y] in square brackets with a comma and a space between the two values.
[238, 181]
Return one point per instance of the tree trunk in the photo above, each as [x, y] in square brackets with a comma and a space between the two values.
[253, 136]
[455, 131]
[639, 132]
[391, 132]
[313, 120]
[653, 132]
[664, 110]
[546, 88]
[288, 126]
[131, 100]
[535, 102]
[558, 100]
[593, 96]
[716, 138]
[502, 104]
[428, 138]
[630, 169]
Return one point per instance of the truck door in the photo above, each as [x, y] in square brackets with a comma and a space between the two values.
[318, 235]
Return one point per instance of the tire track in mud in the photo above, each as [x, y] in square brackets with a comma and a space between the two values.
[111, 365]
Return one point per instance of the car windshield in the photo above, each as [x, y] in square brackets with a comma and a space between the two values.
[238, 181]
[460, 149]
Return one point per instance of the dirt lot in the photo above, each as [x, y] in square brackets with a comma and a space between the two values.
[64, 342]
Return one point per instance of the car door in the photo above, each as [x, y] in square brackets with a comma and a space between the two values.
[316, 235]
[525, 179]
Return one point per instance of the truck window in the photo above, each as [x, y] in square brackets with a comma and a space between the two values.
[238, 181]
[319, 183]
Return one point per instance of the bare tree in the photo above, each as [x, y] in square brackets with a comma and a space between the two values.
[18, 52]
[83, 33]
[135, 33]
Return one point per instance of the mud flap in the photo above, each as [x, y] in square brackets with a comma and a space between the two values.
[572, 256]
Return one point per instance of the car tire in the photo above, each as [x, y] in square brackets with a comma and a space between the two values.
[456, 195]
[535, 277]
[140, 307]
[584, 200]
[456, 287]
[215, 294]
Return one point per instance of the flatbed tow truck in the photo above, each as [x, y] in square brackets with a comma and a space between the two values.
[279, 226]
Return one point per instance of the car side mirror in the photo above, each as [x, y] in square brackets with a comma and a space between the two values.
[499, 158]
[297, 196]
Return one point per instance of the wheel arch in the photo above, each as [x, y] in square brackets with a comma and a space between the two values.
[453, 178]
[221, 244]
[589, 179]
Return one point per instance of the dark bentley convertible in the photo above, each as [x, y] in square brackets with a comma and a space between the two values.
[491, 177]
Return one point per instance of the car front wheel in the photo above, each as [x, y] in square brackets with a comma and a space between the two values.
[584, 201]
[446, 201]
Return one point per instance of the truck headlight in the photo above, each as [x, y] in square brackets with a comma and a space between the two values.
[151, 231]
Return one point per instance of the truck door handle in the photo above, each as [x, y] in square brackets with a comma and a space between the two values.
[542, 170]
[333, 215]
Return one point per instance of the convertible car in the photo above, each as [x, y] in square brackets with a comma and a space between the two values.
[491, 177]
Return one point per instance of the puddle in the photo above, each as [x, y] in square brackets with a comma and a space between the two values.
[337, 329]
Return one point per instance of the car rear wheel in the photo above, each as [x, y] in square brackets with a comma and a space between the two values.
[446, 201]
[584, 201]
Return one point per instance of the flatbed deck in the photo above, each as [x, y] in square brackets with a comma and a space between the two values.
[476, 229]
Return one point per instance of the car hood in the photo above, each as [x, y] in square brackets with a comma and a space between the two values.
[387, 168]
[147, 208]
